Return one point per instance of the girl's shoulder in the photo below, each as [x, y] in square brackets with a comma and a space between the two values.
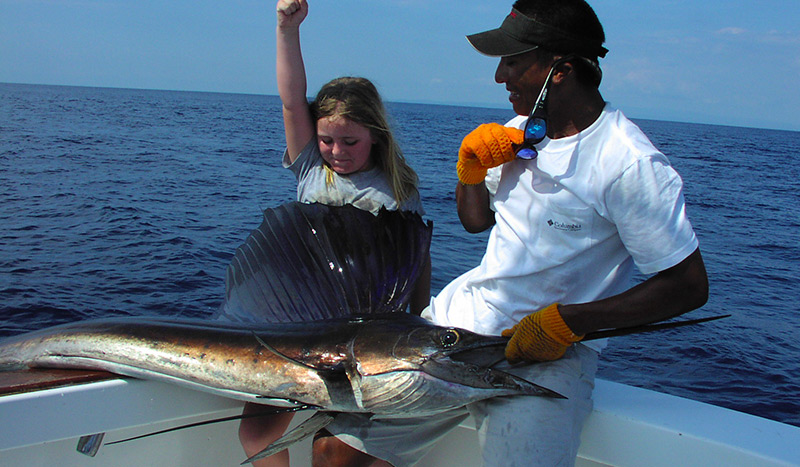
[413, 204]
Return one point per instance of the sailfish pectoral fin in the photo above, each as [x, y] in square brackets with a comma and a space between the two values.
[279, 354]
[341, 381]
[322, 370]
[302, 431]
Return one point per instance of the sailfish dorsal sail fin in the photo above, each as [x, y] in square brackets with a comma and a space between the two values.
[313, 261]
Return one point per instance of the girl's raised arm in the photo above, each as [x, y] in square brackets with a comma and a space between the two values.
[291, 76]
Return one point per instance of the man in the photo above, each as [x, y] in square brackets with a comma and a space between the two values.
[569, 222]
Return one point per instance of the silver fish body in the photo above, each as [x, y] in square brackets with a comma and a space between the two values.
[390, 366]
[313, 317]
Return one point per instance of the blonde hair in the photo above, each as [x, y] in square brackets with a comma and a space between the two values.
[357, 100]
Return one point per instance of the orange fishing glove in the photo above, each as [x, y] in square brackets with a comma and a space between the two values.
[540, 337]
[487, 146]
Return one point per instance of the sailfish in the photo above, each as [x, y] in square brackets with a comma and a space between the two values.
[314, 317]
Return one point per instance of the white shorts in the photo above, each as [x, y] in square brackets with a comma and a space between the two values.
[512, 431]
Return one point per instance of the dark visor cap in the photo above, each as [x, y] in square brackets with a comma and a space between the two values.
[519, 34]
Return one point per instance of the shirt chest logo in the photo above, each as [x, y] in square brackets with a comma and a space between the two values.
[567, 227]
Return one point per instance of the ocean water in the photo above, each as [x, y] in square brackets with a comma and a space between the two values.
[119, 202]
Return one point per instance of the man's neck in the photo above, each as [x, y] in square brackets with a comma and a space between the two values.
[568, 117]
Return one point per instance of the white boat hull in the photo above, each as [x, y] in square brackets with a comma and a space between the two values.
[629, 427]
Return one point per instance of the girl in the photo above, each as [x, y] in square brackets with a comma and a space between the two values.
[342, 151]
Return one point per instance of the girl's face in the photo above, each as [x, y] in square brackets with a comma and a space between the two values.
[345, 145]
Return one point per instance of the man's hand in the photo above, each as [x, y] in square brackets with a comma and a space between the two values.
[487, 146]
[539, 337]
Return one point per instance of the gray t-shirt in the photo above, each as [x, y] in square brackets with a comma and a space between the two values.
[368, 190]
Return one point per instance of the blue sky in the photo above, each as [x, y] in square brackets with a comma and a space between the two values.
[725, 62]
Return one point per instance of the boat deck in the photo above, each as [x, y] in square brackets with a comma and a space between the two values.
[20, 381]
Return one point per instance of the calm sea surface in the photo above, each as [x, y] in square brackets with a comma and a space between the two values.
[124, 202]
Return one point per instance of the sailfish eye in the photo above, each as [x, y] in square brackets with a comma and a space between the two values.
[449, 338]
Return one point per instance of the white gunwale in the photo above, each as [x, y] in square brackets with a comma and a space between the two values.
[628, 427]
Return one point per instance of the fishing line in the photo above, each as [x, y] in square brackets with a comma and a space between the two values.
[218, 420]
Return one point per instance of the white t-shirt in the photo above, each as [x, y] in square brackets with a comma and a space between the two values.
[570, 225]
